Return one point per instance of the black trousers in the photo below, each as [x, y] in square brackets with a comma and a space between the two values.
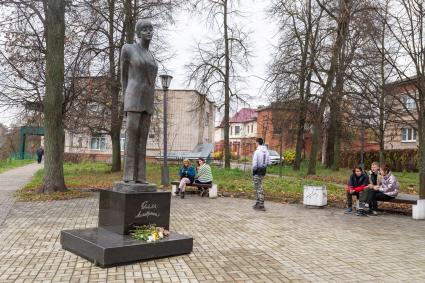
[350, 198]
[377, 196]
[366, 196]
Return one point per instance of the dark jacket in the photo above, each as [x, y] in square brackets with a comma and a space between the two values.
[374, 178]
[358, 184]
[187, 172]
[40, 152]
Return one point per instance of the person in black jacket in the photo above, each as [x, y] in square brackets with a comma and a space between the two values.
[358, 181]
[40, 153]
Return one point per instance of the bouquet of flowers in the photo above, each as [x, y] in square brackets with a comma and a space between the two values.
[149, 233]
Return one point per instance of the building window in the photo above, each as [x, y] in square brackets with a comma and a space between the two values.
[237, 130]
[409, 102]
[98, 142]
[151, 136]
[231, 130]
[408, 135]
[252, 129]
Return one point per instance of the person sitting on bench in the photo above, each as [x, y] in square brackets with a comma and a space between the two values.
[358, 182]
[204, 175]
[388, 189]
[365, 196]
[187, 176]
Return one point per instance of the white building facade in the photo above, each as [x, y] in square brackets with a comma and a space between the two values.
[190, 118]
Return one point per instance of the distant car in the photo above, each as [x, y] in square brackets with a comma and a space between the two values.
[274, 157]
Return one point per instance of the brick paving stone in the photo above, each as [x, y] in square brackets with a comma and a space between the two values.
[13, 180]
[232, 243]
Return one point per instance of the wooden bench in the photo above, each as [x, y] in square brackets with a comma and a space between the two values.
[212, 188]
[404, 198]
[400, 198]
[418, 210]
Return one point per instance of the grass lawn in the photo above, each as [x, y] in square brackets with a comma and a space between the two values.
[10, 164]
[409, 181]
[237, 183]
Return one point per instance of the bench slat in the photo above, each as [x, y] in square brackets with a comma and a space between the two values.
[193, 185]
[404, 198]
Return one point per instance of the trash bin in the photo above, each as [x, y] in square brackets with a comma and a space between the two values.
[315, 196]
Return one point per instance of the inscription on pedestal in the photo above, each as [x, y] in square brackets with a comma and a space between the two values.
[148, 209]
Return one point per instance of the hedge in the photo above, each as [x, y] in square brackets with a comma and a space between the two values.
[398, 159]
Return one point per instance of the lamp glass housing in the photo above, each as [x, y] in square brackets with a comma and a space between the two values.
[166, 81]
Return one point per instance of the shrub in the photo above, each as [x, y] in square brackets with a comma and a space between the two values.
[398, 159]
[289, 156]
[218, 155]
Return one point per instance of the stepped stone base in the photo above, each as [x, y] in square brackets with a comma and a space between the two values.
[106, 248]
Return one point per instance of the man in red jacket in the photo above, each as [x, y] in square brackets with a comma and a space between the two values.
[357, 183]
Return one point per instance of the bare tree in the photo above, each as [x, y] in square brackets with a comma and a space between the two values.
[112, 25]
[300, 42]
[217, 62]
[342, 19]
[370, 75]
[405, 23]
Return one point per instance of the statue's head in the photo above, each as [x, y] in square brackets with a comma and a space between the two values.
[144, 29]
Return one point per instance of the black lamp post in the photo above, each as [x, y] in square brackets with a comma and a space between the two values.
[165, 81]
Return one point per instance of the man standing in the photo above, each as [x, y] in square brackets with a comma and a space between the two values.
[260, 161]
[40, 153]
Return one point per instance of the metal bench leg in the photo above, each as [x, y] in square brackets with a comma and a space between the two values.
[213, 191]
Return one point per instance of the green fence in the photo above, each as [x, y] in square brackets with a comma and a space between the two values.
[26, 155]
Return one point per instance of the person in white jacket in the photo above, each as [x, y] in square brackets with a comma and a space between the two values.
[260, 161]
[388, 189]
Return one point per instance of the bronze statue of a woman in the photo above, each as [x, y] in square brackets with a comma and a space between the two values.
[138, 74]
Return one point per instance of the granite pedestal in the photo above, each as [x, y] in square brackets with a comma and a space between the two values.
[120, 210]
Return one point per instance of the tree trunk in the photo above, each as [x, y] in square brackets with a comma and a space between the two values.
[317, 130]
[421, 133]
[300, 135]
[226, 91]
[330, 142]
[303, 98]
[113, 85]
[129, 20]
[382, 106]
[53, 99]
[116, 150]
[342, 31]
[337, 142]
[339, 94]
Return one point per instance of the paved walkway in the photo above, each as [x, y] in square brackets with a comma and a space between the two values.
[232, 243]
[11, 181]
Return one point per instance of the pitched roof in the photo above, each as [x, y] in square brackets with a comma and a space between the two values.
[244, 115]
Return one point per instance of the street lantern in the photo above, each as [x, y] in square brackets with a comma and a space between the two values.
[165, 81]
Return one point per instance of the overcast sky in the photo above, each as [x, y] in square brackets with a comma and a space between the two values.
[189, 29]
